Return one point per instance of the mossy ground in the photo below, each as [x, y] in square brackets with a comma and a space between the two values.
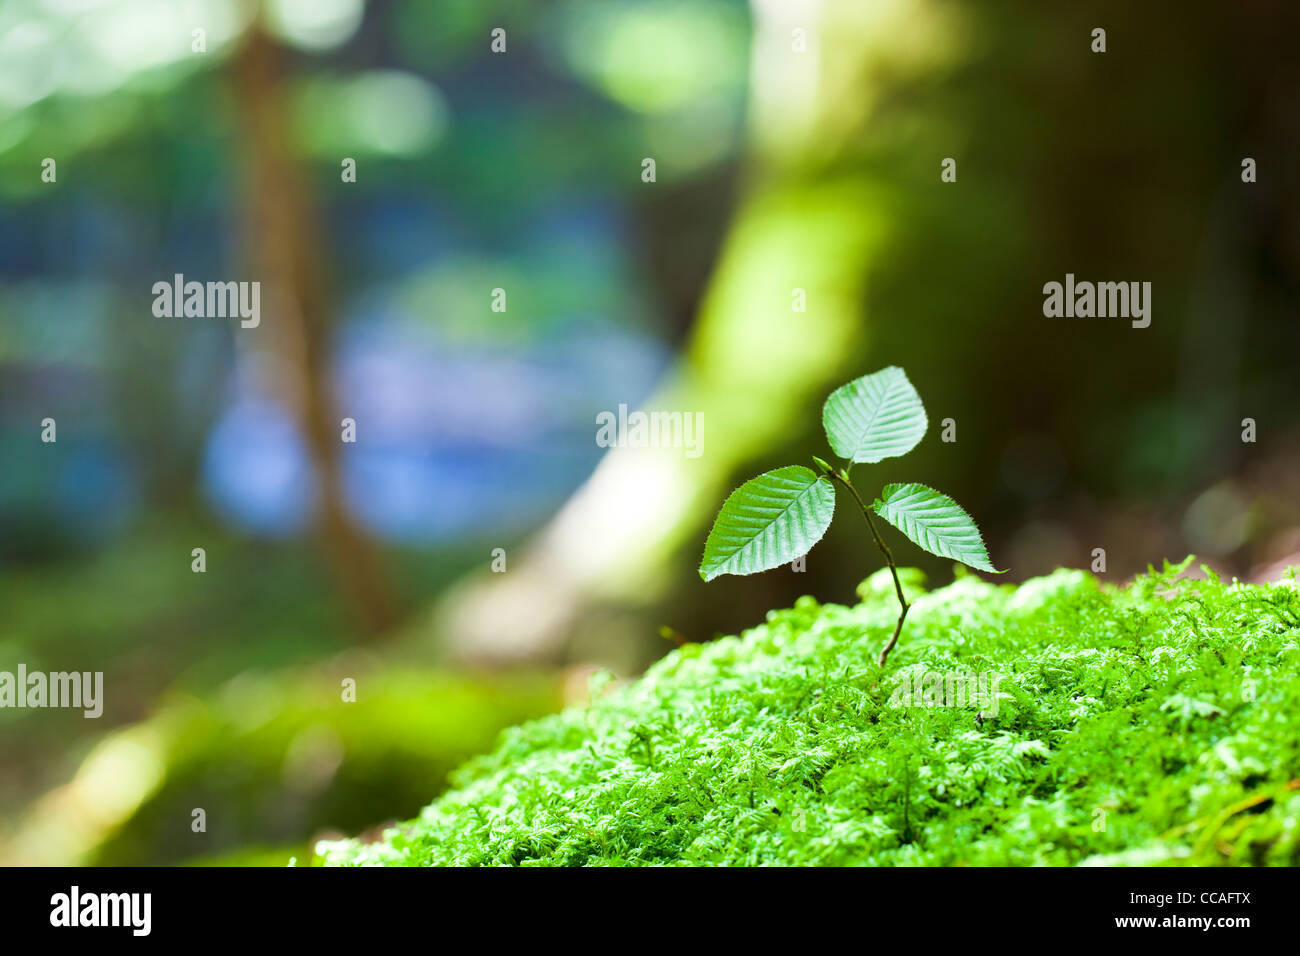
[1152, 724]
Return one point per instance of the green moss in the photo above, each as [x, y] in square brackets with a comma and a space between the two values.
[1152, 724]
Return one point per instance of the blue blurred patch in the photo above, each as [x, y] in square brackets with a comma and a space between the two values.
[453, 439]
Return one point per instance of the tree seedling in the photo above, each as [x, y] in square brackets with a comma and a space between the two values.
[777, 517]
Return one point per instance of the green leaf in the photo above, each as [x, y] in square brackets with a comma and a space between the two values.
[934, 522]
[873, 417]
[769, 521]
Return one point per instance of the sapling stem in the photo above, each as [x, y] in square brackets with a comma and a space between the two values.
[903, 606]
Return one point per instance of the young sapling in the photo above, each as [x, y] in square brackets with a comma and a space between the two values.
[777, 517]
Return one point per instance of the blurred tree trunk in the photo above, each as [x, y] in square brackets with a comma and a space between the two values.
[286, 242]
[753, 365]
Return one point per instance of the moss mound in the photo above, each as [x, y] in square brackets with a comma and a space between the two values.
[1152, 724]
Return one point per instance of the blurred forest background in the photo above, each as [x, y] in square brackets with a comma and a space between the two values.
[797, 144]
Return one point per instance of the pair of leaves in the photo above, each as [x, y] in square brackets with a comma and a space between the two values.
[777, 517]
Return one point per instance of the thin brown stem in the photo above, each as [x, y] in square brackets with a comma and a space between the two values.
[889, 559]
